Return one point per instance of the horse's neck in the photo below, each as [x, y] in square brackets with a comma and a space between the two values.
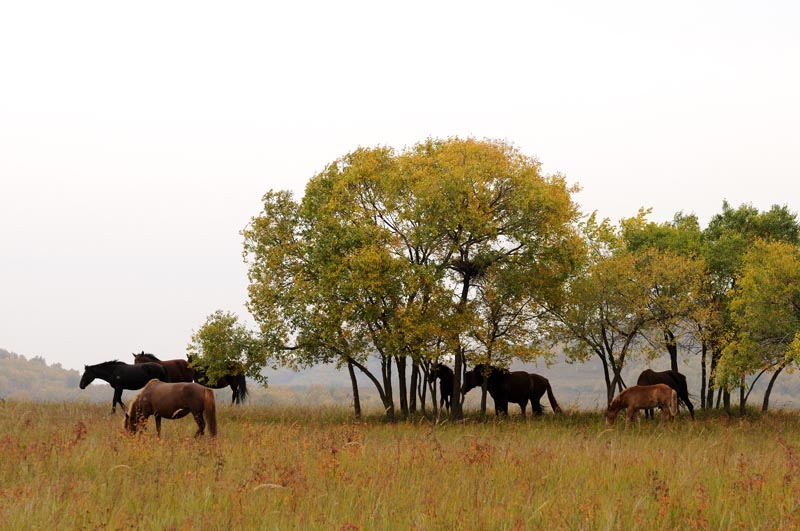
[106, 372]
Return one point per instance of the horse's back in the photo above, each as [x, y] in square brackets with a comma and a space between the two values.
[167, 398]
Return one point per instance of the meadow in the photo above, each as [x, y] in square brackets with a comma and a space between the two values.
[71, 466]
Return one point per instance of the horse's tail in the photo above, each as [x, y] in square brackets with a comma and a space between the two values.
[552, 398]
[210, 411]
[673, 402]
[242, 393]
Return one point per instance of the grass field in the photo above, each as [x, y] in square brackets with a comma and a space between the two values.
[71, 466]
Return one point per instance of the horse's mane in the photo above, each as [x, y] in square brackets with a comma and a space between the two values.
[105, 363]
[148, 356]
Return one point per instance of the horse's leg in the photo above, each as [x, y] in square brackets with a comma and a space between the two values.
[117, 399]
[201, 423]
[158, 425]
[522, 406]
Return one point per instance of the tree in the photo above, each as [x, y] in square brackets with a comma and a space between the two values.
[726, 239]
[385, 251]
[604, 307]
[765, 308]
[672, 254]
[223, 342]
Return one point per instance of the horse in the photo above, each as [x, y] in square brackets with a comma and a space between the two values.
[446, 376]
[673, 379]
[518, 387]
[178, 370]
[123, 376]
[643, 397]
[235, 379]
[173, 401]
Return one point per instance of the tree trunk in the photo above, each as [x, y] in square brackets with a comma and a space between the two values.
[703, 352]
[412, 398]
[402, 384]
[711, 378]
[765, 405]
[354, 382]
[742, 397]
[484, 392]
[672, 348]
[388, 399]
[726, 401]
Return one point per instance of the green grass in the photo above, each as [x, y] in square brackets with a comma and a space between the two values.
[71, 466]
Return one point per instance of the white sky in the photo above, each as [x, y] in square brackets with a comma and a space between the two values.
[136, 139]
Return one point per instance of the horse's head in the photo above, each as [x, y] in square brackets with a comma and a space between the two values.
[433, 373]
[472, 379]
[133, 416]
[87, 378]
[611, 416]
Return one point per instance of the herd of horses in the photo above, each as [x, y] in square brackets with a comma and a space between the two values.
[653, 390]
[169, 389]
[175, 388]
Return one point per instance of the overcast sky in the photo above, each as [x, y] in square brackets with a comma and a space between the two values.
[136, 139]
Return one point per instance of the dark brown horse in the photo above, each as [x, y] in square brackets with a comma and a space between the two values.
[639, 397]
[122, 376]
[518, 387]
[673, 379]
[445, 375]
[178, 370]
[235, 379]
[173, 401]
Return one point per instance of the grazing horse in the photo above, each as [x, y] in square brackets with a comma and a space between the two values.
[639, 397]
[518, 387]
[178, 370]
[173, 401]
[673, 379]
[235, 379]
[123, 376]
[445, 375]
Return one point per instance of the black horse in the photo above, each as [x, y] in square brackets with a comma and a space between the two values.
[235, 379]
[123, 376]
[673, 379]
[445, 375]
[518, 387]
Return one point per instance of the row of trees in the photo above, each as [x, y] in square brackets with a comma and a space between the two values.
[463, 250]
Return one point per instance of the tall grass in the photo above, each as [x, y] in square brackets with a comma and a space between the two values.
[71, 466]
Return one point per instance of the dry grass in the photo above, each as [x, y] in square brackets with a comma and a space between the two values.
[70, 466]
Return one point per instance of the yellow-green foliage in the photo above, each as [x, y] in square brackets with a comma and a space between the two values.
[71, 466]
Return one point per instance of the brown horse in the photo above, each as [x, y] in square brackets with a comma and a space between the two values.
[178, 370]
[446, 376]
[173, 401]
[639, 397]
[518, 387]
[673, 379]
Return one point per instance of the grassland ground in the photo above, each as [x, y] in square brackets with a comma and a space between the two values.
[71, 466]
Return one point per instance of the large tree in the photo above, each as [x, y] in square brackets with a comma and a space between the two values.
[726, 239]
[765, 307]
[385, 251]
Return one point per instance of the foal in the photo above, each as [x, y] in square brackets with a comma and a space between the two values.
[643, 397]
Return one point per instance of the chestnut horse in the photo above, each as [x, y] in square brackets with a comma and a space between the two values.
[673, 379]
[639, 397]
[518, 387]
[445, 375]
[178, 370]
[173, 401]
